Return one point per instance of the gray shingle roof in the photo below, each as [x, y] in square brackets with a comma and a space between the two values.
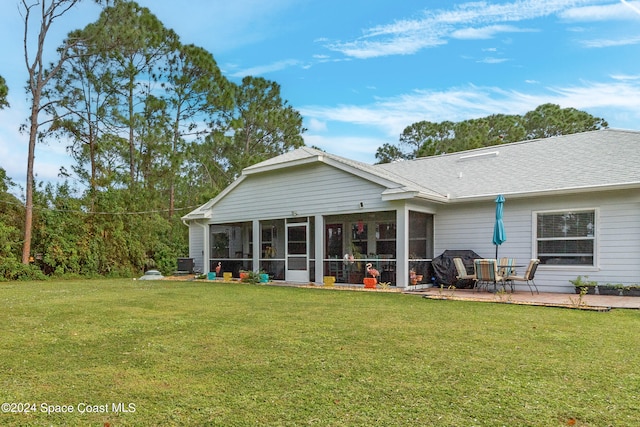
[603, 158]
[607, 158]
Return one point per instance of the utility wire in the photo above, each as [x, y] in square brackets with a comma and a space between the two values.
[41, 208]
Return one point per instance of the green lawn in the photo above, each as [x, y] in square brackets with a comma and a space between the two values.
[197, 353]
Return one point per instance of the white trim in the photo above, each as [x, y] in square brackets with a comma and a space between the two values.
[564, 267]
[478, 155]
[559, 191]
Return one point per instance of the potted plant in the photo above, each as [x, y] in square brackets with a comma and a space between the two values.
[264, 277]
[580, 284]
[415, 278]
[353, 267]
[610, 289]
[250, 277]
[631, 291]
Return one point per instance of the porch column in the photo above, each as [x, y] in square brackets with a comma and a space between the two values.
[255, 231]
[202, 256]
[319, 247]
[402, 249]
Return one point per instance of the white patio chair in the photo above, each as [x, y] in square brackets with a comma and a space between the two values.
[461, 271]
[528, 276]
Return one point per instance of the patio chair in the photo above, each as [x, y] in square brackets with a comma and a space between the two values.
[487, 273]
[461, 271]
[506, 267]
[528, 276]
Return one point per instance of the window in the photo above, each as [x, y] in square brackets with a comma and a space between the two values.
[566, 238]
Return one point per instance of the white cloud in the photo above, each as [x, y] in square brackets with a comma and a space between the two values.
[625, 77]
[469, 20]
[265, 69]
[487, 32]
[615, 11]
[315, 125]
[611, 43]
[389, 116]
[635, 6]
[491, 60]
[362, 149]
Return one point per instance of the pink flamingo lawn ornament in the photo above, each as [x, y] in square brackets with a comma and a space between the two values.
[218, 268]
[372, 271]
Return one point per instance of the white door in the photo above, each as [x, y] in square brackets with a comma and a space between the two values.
[297, 252]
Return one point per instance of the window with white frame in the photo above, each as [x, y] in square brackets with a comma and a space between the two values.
[566, 237]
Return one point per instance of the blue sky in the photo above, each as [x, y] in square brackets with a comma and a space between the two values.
[360, 71]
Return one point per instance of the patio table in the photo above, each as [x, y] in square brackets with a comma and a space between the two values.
[512, 273]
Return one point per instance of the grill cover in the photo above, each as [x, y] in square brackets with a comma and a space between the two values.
[445, 271]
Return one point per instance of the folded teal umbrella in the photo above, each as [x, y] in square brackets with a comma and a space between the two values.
[499, 235]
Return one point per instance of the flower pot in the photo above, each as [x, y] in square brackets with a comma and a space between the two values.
[264, 278]
[591, 290]
[329, 280]
[370, 282]
[211, 275]
[631, 292]
[243, 275]
[227, 276]
[609, 290]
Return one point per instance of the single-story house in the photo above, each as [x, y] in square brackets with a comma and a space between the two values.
[572, 201]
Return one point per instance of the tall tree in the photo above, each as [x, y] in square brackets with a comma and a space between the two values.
[4, 92]
[263, 125]
[11, 214]
[196, 96]
[81, 108]
[39, 75]
[136, 44]
[551, 120]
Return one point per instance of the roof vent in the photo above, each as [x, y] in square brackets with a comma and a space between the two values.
[478, 156]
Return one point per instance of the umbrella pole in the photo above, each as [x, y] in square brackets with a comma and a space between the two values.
[496, 252]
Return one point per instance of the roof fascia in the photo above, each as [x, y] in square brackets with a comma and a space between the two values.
[409, 194]
[272, 167]
[364, 174]
[558, 192]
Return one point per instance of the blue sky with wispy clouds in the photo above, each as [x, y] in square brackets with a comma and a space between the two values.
[361, 71]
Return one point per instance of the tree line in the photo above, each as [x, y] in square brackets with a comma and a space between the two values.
[426, 138]
[155, 130]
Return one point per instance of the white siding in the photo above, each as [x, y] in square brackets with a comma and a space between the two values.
[470, 226]
[197, 244]
[307, 190]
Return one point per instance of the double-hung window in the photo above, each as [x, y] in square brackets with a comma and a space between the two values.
[566, 237]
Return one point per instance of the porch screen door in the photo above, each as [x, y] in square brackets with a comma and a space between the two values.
[297, 252]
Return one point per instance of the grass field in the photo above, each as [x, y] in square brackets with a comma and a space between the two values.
[132, 353]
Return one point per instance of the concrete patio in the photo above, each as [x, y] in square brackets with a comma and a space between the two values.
[592, 302]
